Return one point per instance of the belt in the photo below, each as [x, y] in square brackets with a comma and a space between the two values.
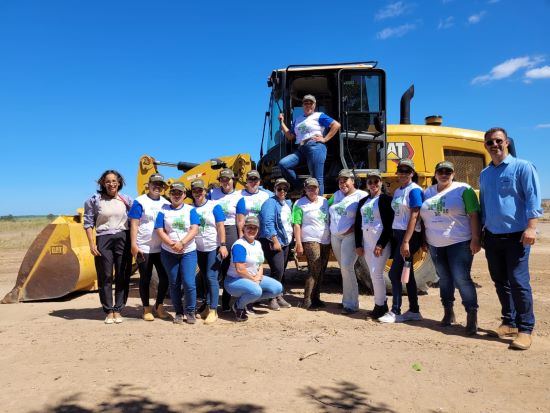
[509, 235]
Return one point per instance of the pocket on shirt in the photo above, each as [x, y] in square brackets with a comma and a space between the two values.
[505, 185]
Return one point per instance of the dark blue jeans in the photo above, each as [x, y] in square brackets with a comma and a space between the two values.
[181, 272]
[314, 154]
[397, 268]
[453, 264]
[508, 262]
[209, 266]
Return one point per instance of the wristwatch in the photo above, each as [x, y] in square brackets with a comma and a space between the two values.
[223, 244]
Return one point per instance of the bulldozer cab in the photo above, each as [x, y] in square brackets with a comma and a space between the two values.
[354, 94]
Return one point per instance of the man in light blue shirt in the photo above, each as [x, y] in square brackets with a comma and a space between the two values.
[510, 205]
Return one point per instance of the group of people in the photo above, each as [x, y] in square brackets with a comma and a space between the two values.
[229, 233]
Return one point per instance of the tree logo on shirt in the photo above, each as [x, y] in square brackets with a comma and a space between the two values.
[438, 206]
[179, 224]
[396, 205]
[302, 128]
[322, 215]
[202, 222]
[368, 214]
[341, 208]
[256, 207]
[259, 259]
[224, 205]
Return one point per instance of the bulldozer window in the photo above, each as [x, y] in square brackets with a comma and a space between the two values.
[276, 136]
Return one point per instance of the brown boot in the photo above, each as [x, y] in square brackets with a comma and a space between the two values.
[471, 322]
[148, 314]
[522, 342]
[448, 317]
[503, 331]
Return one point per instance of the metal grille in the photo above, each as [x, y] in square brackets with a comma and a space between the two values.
[468, 166]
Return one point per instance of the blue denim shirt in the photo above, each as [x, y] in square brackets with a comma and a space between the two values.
[270, 220]
[510, 195]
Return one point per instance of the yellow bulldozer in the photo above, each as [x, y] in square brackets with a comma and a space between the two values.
[59, 261]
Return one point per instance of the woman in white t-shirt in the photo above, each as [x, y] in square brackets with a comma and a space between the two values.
[177, 225]
[342, 210]
[227, 197]
[373, 235]
[146, 245]
[406, 203]
[245, 279]
[211, 249]
[311, 232]
[450, 213]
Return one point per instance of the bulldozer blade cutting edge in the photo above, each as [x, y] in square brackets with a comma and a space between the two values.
[57, 263]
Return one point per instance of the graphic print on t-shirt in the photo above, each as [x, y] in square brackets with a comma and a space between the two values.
[179, 224]
[367, 213]
[438, 206]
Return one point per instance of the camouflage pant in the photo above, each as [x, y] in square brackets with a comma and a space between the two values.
[317, 258]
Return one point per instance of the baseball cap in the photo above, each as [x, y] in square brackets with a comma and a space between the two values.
[178, 186]
[226, 173]
[252, 220]
[253, 174]
[346, 173]
[156, 178]
[309, 97]
[281, 181]
[311, 182]
[374, 174]
[197, 183]
[406, 162]
[445, 165]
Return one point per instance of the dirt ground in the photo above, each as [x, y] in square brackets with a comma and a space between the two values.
[58, 356]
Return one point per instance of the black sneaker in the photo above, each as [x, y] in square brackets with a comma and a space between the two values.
[250, 310]
[190, 318]
[240, 315]
[378, 311]
[317, 304]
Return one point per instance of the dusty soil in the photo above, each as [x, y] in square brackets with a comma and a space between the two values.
[58, 356]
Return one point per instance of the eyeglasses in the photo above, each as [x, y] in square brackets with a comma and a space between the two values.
[176, 193]
[197, 190]
[251, 227]
[444, 172]
[282, 189]
[491, 142]
[373, 181]
[404, 171]
[253, 179]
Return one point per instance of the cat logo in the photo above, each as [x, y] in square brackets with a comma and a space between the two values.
[399, 150]
[57, 250]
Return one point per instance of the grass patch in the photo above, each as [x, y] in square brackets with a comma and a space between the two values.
[20, 232]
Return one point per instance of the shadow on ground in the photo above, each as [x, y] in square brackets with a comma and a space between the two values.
[343, 396]
[126, 401]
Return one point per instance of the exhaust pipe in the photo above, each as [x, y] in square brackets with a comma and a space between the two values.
[405, 114]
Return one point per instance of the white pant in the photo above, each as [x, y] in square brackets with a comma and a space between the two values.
[376, 264]
[343, 247]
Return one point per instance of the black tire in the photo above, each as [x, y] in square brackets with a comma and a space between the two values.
[424, 273]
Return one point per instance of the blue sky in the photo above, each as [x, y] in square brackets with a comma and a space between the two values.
[91, 85]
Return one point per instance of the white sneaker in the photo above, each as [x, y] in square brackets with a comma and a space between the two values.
[389, 317]
[409, 316]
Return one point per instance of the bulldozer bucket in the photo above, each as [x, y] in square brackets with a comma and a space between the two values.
[57, 263]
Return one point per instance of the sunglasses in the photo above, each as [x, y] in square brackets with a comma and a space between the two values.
[491, 142]
[404, 171]
[444, 172]
[176, 193]
[282, 189]
[251, 227]
[197, 190]
[373, 181]
[311, 188]
[225, 179]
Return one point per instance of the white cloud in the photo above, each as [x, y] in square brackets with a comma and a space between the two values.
[543, 126]
[446, 23]
[395, 31]
[508, 68]
[392, 10]
[538, 73]
[476, 18]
